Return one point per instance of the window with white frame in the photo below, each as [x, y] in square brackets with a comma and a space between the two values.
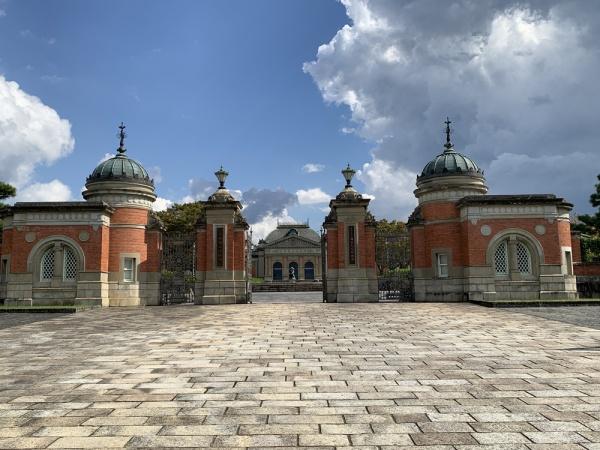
[501, 258]
[129, 269]
[47, 265]
[442, 265]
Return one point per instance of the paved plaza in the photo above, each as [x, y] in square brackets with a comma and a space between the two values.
[299, 375]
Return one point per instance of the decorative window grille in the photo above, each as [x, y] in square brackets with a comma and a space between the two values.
[129, 269]
[70, 265]
[220, 250]
[501, 259]
[442, 265]
[523, 258]
[47, 265]
[351, 245]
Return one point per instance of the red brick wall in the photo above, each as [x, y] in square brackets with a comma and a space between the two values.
[154, 244]
[20, 249]
[332, 248]
[239, 244]
[587, 269]
[576, 245]
[129, 240]
[417, 247]
[439, 211]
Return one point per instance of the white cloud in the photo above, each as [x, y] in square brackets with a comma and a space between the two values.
[54, 191]
[312, 196]
[160, 204]
[268, 223]
[312, 168]
[31, 134]
[106, 157]
[2, 13]
[395, 185]
[516, 77]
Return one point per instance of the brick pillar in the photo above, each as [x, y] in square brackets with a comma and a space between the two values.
[221, 250]
[350, 233]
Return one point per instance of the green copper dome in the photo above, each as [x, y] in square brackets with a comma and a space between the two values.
[120, 167]
[450, 162]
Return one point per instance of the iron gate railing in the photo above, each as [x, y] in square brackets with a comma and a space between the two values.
[177, 264]
[392, 255]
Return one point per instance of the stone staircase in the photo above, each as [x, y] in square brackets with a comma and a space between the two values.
[283, 286]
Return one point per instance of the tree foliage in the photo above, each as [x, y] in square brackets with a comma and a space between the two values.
[6, 191]
[181, 217]
[392, 246]
[590, 223]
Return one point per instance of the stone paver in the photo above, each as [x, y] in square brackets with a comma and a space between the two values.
[585, 316]
[312, 375]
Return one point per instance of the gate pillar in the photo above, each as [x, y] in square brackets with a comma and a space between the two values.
[350, 234]
[221, 249]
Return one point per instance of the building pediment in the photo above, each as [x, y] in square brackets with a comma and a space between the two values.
[293, 242]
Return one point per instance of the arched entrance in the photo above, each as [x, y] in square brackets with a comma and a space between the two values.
[309, 271]
[277, 271]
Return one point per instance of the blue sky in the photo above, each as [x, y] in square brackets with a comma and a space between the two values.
[266, 87]
[198, 84]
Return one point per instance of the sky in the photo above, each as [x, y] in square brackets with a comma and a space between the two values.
[285, 93]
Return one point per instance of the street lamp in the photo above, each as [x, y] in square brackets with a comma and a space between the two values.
[221, 176]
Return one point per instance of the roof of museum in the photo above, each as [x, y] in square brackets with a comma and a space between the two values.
[56, 207]
[289, 229]
[450, 162]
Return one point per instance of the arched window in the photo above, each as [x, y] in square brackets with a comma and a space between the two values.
[47, 265]
[513, 255]
[309, 271]
[277, 271]
[501, 259]
[59, 257]
[523, 258]
[69, 265]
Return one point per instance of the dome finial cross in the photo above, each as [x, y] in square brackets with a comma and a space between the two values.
[448, 143]
[122, 137]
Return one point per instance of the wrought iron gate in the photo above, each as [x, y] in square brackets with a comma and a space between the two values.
[394, 276]
[178, 268]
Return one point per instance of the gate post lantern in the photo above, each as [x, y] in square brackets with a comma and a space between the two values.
[221, 249]
[350, 230]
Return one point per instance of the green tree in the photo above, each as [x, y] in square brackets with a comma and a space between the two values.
[6, 191]
[590, 223]
[181, 216]
[392, 246]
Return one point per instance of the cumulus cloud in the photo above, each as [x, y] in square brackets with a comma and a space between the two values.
[312, 196]
[54, 191]
[260, 203]
[395, 185]
[268, 223]
[515, 76]
[160, 204]
[31, 134]
[312, 168]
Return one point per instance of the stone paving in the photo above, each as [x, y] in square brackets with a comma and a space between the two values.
[313, 375]
[587, 316]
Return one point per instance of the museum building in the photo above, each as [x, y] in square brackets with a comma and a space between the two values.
[291, 252]
[468, 245]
